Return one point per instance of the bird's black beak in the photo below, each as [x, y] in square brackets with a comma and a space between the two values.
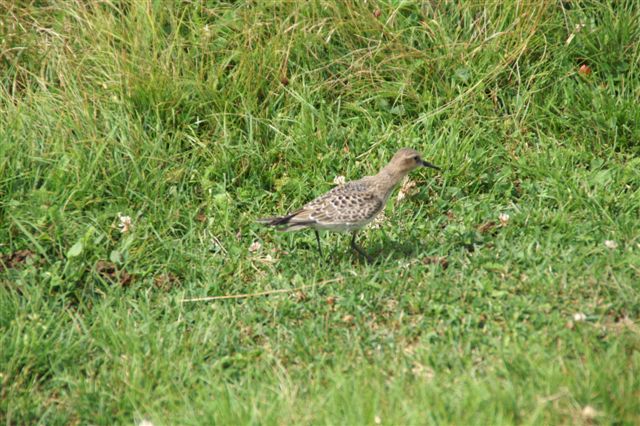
[428, 164]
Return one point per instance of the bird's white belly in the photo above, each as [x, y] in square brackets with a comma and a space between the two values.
[341, 227]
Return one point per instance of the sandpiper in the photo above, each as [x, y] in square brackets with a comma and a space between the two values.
[351, 206]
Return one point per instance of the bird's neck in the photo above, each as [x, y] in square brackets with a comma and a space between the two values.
[388, 178]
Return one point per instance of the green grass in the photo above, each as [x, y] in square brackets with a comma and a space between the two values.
[195, 118]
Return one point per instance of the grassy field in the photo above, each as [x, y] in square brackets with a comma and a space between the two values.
[505, 288]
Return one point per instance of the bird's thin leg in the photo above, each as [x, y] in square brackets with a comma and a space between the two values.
[359, 249]
[318, 240]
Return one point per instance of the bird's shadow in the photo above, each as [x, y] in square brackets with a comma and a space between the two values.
[378, 252]
[388, 249]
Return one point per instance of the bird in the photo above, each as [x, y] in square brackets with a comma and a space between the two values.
[351, 206]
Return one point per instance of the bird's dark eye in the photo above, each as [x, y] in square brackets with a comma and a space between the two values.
[417, 158]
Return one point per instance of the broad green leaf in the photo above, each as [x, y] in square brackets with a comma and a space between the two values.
[75, 249]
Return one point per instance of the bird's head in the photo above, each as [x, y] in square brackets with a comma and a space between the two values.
[407, 159]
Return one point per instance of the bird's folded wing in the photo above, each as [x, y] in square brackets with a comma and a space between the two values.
[341, 207]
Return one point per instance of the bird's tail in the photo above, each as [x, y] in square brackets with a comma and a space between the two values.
[273, 221]
[286, 223]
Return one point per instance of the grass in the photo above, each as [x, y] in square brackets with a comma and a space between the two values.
[194, 118]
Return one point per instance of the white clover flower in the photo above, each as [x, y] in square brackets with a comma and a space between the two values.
[255, 246]
[579, 316]
[405, 188]
[339, 180]
[126, 224]
[589, 413]
[378, 221]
